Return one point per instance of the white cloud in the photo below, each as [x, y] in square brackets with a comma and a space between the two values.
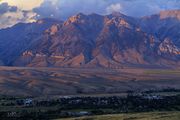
[24, 4]
[23, 12]
[114, 8]
[11, 15]
[9, 19]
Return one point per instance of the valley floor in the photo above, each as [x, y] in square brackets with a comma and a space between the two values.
[25, 81]
[50, 93]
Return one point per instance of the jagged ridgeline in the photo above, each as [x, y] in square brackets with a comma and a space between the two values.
[114, 41]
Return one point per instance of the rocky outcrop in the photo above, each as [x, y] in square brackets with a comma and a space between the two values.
[167, 47]
[170, 14]
[163, 25]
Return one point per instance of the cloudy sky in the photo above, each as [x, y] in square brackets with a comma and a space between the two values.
[15, 11]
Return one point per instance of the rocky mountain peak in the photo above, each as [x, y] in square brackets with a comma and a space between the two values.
[117, 22]
[92, 40]
[170, 14]
[117, 14]
[79, 18]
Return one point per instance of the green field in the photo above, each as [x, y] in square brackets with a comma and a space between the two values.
[137, 116]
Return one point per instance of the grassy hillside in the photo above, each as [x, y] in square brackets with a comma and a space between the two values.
[137, 116]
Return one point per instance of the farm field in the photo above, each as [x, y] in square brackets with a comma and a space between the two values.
[136, 116]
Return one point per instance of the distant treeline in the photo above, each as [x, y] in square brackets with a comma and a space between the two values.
[77, 106]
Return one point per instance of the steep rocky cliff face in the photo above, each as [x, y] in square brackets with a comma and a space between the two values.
[93, 40]
[163, 25]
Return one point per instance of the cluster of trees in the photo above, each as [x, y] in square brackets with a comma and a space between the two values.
[130, 103]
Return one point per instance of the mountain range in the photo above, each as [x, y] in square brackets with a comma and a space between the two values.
[112, 41]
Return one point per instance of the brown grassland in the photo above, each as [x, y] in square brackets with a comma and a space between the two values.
[26, 81]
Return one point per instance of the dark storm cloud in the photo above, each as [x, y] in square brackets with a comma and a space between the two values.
[4, 7]
[65, 8]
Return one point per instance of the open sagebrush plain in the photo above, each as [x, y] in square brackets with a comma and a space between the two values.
[25, 81]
